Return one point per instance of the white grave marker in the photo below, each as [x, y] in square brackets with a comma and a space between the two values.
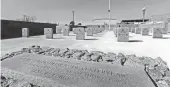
[123, 34]
[89, 32]
[58, 30]
[66, 31]
[157, 33]
[25, 32]
[48, 33]
[80, 35]
[145, 31]
[138, 31]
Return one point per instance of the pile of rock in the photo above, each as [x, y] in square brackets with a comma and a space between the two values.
[156, 69]
[10, 82]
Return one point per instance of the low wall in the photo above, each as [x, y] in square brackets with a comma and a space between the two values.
[13, 29]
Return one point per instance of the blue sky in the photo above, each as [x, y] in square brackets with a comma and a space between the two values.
[60, 11]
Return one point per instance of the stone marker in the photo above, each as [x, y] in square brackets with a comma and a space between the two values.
[145, 31]
[138, 31]
[48, 32]
[165, 29]
[94, 31]
[89, 32]
[80, 35]
[74, 30]
[25, 32]
[58, 30]
[123, 34]
[66, 31]
[72, 73]
[157, 33]
[168, 27]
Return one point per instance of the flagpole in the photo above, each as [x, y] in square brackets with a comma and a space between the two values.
[109, 15]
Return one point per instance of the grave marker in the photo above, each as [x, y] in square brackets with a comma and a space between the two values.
[58, 30]
[48, 33]
[25, 32]
[123, 34]
[72, 73]
[80, 35]
[89, 32]
[157, 33]
[66, 31]
[145, 31]
[138, 31]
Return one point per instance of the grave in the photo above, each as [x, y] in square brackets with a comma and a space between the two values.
[66, 31]
[138, 30]
[46, 71]
[25, 32]
[157, 33]
[89, 31]
[165, 29]
[80, 35]
[94, 31]
[123, 34]
[58, 30]
[168, 27]
[48, 32]
[74, 30]
[145, 31]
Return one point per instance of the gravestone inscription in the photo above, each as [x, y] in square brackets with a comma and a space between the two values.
[123, 34]
[75, 73]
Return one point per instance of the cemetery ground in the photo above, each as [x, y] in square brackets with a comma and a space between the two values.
[68, 71]
[105, 42]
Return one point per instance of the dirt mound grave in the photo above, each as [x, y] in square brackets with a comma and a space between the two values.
[77, 73]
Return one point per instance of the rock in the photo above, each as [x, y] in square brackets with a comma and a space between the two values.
[155, 74]
[162, 69]
[77, 55]
[147, 60]
[27, 50]
[167, 80]
[98, 52]
[167, 73]
[162, 83]
[86, 58]
[110, 57]
[96, 57]
[63, 51]
[121, 58]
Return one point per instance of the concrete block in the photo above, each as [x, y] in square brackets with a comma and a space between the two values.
[25, 32]
[48, 32]
[157, 33]
[80, 35]
[123, 35]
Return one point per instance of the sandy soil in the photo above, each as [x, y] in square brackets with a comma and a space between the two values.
[106, 42]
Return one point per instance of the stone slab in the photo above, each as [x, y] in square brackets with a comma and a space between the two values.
[73, 73]
[157, 33]
[145, 31]
[80, 35]
[89, 31]
[25, 32]
[48, 32]
[58, 30]
[123, 35]
[66, 31]
[138, 31]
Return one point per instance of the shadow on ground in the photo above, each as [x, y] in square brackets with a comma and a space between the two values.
[58, 38]
[91, 39]
[135, 41]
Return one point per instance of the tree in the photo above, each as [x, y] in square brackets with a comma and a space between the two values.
[72, 23]
[79, 24]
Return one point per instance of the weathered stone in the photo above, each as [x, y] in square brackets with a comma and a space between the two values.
[155, 74]
[86, 58]
[25, 32]
[145, 31]
[167, 73]
[110, 57]
[77, 55]
[58, 30]
[48, 32]
[123, 35]
[66, 31]
[80, 35]
[157, 33]
[162, 83]
[138, 31]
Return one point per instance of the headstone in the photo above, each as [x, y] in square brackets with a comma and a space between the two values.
[66, 31]
[74, 30]
[25, 32]
[48, 33]
[80, 35]
[157, 33]
[145, 31]
[89, 32]
[123, 34]
[165, 29]
[138, 31]
[46, 71]
[94, 31]
[58, 30]
[168, 27]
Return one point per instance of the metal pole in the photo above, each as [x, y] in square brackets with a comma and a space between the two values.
[109, 15]
[73, 15]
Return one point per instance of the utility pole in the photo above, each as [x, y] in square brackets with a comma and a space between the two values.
[143, 10]
[73, 15]
[109, 15]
